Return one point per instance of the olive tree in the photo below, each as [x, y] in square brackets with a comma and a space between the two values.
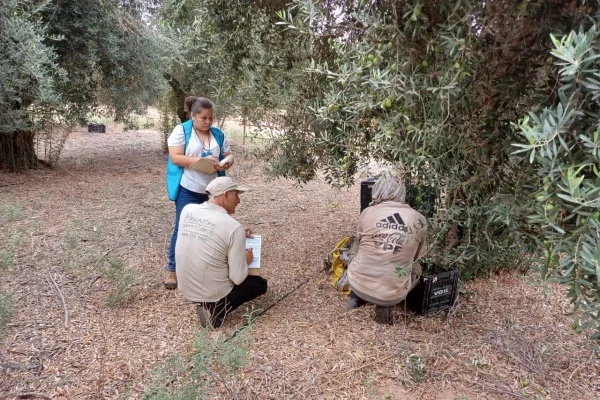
[562, 142]
[222, 50]
[28, 73]
[435, 88]
[430, 88]
[62, 60]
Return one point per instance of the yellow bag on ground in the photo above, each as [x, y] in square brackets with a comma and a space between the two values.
[338, 266]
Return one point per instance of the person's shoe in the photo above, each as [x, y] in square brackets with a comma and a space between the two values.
[383, 315]
[206, 317]
[354, 302]
[170, 280]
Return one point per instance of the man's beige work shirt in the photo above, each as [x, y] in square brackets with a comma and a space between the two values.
[210, 254]
[392, 236]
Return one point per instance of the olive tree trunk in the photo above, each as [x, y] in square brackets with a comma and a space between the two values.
[17, 151]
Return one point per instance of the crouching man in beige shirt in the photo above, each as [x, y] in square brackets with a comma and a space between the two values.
[211, 256]
[392, 237]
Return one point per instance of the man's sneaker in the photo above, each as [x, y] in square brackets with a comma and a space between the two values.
[206, 317]
[170, 280]
[383, 315]
[354, 302]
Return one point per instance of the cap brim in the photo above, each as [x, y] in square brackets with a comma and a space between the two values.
[242, 188]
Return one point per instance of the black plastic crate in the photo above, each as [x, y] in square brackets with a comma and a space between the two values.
[433, 293]
[421, 198]
[366, 193]
[96, 128]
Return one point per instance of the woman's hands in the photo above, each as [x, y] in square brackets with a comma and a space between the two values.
[223, 167]
[227, 164]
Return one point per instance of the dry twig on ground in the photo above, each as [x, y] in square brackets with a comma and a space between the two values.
[62, 299]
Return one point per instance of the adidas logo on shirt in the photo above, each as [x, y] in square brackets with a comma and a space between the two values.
[392, 222]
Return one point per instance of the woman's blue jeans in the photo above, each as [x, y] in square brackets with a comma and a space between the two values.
[184, 197]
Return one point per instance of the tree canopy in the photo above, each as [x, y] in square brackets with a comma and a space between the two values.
[62, 60]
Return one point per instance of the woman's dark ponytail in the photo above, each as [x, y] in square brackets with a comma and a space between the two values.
[187, 103]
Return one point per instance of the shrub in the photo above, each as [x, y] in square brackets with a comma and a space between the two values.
[121, 279]
[563, 147]
[212, 361]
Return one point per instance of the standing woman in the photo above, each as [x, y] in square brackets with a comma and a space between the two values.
[190, 141]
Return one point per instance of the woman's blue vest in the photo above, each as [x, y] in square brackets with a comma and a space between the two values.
[174, 172]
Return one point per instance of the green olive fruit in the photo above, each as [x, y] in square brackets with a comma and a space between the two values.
[456, 65]
[394, 67]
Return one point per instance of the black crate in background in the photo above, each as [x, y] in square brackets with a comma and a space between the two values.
[421, 198]
[366, 193]
[96, 128]
[434, 293]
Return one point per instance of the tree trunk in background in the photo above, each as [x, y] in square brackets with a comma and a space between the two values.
[17, 151]
[179, 96]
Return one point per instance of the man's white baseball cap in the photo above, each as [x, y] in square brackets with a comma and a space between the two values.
[223, 184]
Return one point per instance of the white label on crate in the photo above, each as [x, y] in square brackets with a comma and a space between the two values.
[441, 291]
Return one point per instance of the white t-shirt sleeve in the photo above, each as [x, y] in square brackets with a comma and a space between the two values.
[226, 147]
[177, 137]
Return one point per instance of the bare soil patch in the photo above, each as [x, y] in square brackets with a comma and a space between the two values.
[106, 201]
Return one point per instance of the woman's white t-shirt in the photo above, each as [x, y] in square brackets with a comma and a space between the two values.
[194, 180]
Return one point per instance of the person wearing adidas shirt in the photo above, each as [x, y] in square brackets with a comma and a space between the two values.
[392, 237]
[212, 260]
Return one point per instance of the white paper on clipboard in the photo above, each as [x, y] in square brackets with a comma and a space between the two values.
[255, 243]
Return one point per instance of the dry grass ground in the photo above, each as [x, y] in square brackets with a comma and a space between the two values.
[105, 207]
